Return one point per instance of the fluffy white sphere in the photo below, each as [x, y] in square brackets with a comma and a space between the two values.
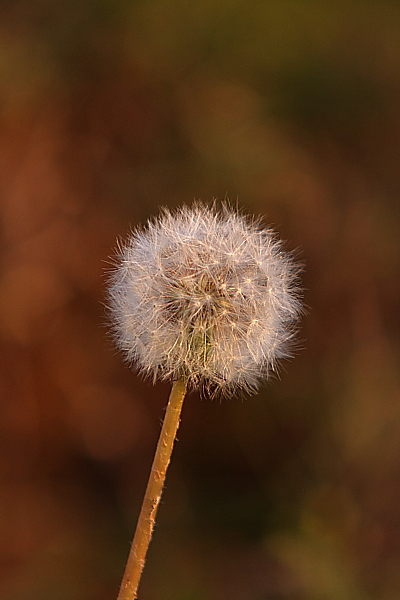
[205, 294]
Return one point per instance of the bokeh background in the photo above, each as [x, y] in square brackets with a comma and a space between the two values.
[109, 110]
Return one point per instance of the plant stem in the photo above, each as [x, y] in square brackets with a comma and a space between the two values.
[146, 521]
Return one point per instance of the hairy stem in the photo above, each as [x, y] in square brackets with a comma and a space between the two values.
[146, 521]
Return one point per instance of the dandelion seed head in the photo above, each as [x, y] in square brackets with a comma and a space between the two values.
[205, 294]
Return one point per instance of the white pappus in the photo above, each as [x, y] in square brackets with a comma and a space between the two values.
[205, 294]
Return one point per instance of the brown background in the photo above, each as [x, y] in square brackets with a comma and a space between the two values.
[109, 110]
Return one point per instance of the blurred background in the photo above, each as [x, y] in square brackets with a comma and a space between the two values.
[109, 110]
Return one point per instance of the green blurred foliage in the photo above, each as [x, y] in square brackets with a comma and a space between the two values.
[109, 110]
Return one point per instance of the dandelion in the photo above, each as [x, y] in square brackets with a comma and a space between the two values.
[207, 299]
[205, 295]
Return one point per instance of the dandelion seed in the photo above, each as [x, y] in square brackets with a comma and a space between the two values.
[200, 266]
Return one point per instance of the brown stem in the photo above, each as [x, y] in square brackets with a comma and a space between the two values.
[146, 521]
